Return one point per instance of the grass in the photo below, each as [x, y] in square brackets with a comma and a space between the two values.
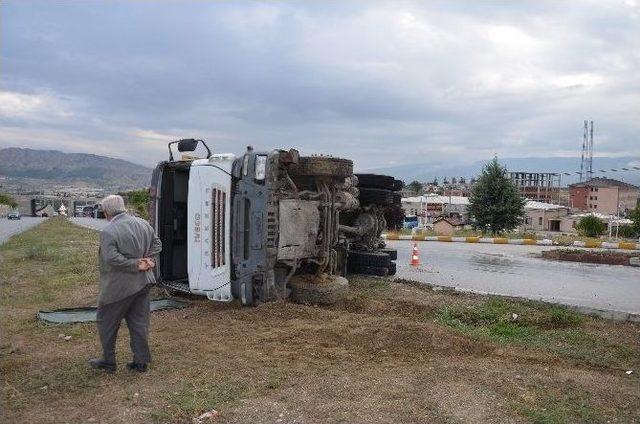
[391, 352]
[551, 408]
[539, 326]
[42, 271]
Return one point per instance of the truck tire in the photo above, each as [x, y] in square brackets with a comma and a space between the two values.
[361, 258]
[393, 253]
[323, 290]
[376, 181]
[392, 268]
[322, 166]
[394, 216]
[375, 196]
[371, 270]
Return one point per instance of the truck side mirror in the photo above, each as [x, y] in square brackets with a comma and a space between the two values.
[187, 145]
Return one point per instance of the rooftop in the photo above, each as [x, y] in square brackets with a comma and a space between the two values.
[453, 221]
[604, 182]
[532, 204]
[604, 217]
[452, 200]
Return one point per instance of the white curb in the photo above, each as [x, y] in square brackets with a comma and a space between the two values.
[500, 240]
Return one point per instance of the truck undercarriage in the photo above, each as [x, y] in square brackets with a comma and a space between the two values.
[278, 221]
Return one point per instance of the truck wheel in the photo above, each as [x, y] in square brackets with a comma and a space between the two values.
[376, 181]
[322, 290]
[371, 270]
[323, 166]
[393, 253]
[375, 196]
[360, 258]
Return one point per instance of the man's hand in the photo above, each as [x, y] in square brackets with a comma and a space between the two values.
[145, 264]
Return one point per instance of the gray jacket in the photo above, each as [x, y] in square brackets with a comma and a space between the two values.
[122, 242]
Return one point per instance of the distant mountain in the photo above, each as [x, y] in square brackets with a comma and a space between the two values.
[53, 165]
[429, 171]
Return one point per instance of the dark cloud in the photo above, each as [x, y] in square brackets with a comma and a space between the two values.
[386, 82]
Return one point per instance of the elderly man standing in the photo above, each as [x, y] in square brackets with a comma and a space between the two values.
[127, 247]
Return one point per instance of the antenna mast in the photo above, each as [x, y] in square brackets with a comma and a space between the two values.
[590, 173]
[586, 160]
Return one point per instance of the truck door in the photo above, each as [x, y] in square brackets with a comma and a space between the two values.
[209, 209]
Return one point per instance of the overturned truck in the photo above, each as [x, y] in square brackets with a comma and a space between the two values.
[269, 225]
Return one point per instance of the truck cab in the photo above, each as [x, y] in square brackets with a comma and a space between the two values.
[217, 219]
[189, 209]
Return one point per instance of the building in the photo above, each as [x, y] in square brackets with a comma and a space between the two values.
[538, 186]
[543, 216]
[604, 195]
[445, 226]
[427, 208]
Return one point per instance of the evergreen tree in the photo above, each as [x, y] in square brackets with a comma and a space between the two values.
[495, 204]
[415, 186]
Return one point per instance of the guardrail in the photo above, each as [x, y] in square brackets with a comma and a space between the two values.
[624, 245]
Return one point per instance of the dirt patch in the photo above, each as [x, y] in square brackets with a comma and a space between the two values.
[589, 256]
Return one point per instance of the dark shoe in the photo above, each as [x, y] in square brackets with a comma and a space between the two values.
[99, 364]
[134, 366]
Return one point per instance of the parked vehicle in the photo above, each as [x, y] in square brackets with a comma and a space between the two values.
[258, 227]
[97, 211]
[87, 211]
[410, 222]
[14, 215]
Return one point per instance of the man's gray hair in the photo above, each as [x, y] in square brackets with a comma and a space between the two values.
[113, 205]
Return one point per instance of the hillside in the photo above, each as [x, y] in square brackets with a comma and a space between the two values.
[53, 165]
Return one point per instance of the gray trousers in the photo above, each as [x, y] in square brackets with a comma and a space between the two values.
[135, 309]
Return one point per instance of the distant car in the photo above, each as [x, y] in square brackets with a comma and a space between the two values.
[410, 222]
[14, 215]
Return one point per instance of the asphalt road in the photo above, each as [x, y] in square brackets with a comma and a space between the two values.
[9, 228]
[94, 224]
[513, 270]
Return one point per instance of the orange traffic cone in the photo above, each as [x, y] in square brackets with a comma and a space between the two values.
[415, 260]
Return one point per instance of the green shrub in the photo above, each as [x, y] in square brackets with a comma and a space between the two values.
[5, 199]
[626, 231]
[137, 201]
[591, 226]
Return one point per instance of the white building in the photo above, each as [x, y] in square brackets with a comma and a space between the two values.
[428, 207]
[542, 216]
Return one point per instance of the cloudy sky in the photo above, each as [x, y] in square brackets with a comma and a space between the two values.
[386, 83]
